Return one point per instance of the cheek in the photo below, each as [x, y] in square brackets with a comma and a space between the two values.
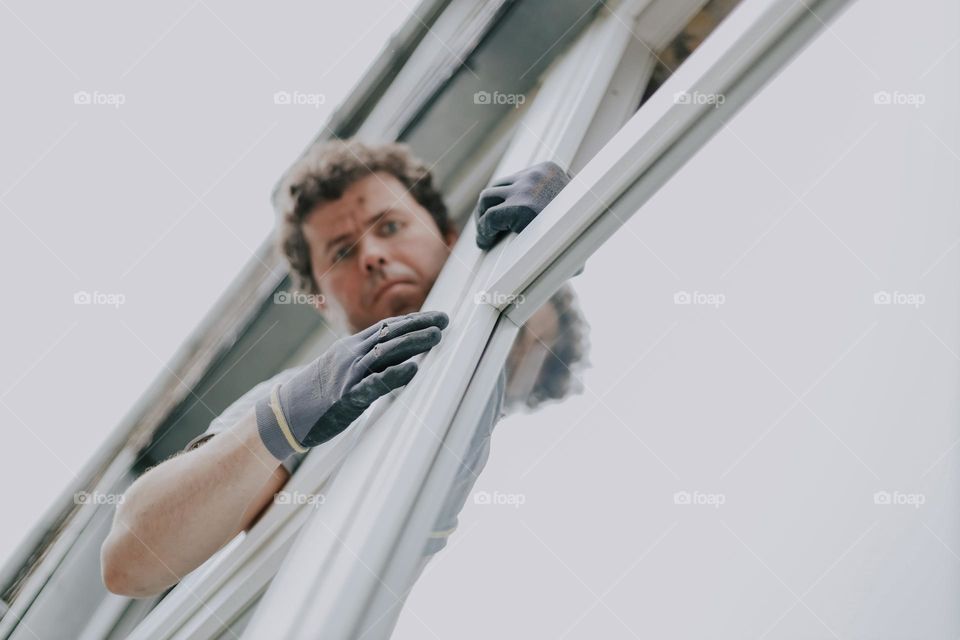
[340, 286]
[440, 255]
[430, 253]
[427, 260]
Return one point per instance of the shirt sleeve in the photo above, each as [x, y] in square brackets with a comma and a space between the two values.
[242, 405]
[473, 464]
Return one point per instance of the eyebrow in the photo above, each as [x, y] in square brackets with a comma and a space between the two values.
[374, 219]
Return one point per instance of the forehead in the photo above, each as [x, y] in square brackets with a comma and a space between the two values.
[364, 198]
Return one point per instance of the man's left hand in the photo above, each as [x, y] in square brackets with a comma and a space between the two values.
[511, 203]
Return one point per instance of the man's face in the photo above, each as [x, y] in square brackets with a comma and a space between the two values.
[375, 252]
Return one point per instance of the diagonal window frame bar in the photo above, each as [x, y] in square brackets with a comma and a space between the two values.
[446, 370]
[754, 43]
[216, 593]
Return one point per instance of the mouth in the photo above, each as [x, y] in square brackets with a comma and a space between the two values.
[388, 286]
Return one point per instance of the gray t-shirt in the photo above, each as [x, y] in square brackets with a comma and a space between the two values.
[473, 462]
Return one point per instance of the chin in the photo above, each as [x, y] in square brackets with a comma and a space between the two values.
[400, 301]
[405, 300]
[405, 307]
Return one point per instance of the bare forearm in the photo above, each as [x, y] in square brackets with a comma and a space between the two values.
[179, 513]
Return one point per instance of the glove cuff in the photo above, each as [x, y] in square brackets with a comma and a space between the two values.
[273, 428]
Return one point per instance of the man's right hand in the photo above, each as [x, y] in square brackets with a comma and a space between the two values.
[332, 391]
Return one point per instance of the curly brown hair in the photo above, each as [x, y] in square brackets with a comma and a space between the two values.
[325, 171]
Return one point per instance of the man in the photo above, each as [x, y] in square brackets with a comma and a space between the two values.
[366, 233]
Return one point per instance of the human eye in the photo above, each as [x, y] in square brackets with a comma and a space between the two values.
[389, 227]
[342, 253]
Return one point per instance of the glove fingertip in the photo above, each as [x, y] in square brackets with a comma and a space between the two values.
[440, 319]
[483, 242]
[401, 374]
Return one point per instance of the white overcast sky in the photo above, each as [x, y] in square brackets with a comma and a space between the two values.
[162, 199]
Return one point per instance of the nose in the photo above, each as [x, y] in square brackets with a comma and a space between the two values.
[373, 255]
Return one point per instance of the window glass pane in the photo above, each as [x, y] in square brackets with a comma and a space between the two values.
[764, 444]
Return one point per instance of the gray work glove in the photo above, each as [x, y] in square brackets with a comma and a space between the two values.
[510, 203]
[327, 395]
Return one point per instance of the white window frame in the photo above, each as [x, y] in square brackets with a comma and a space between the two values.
[219, 591]
[347, 558]
[561, 112]
[387, 493]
